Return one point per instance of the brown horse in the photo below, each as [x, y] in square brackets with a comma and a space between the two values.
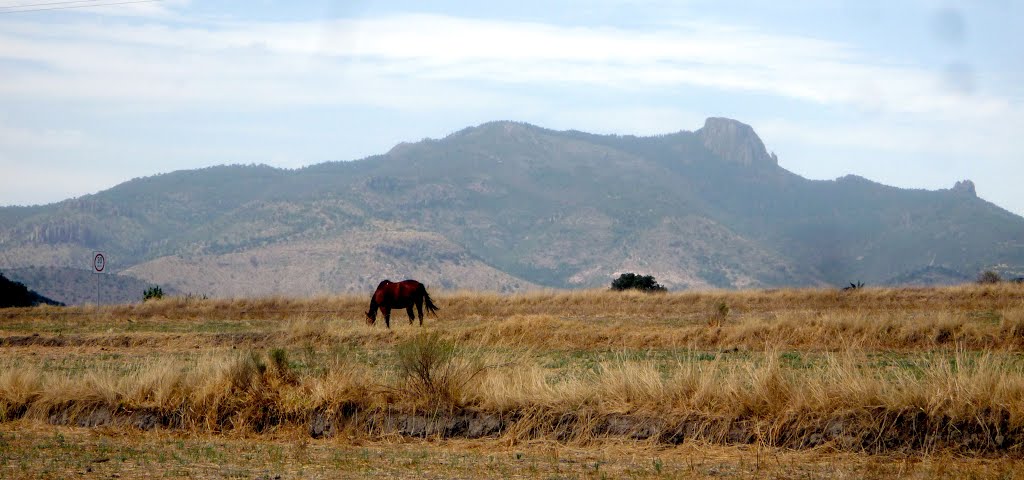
[403, 294]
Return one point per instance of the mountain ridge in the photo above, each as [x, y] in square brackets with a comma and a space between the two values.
[508, 206]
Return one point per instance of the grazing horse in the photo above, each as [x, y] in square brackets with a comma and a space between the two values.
[854, 286]
[402, 294]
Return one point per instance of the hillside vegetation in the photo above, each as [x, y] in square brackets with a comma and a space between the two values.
[16, 294]
[510, 207]
[77, 286]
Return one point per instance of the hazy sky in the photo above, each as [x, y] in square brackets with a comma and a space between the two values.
[914, 94]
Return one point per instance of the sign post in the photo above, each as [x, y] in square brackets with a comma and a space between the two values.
[99, 265]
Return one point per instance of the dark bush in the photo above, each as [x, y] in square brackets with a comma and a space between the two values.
[645, 283]
[989, 276]
[16, 294]
[153, 293]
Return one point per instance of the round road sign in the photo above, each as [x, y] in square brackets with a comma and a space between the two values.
[99, 262]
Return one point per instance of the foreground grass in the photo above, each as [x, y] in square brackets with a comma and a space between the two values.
[31, 450]
[918, 377]
[964, 401]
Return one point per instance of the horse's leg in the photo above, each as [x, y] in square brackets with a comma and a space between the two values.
[387, 316]
[411, 316]
[419, 308]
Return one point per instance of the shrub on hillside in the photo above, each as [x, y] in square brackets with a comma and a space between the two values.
[988, 277]
[153, 293]
[628, 281]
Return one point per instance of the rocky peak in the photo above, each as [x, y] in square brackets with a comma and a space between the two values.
[499, 129]
[504, 128]
[965, 187]
[735, 142]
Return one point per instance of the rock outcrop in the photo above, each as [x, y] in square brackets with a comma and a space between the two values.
[735, 142]
[965, 187]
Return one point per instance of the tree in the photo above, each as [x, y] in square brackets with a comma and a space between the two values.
[644, 283]
[153, 293]
[989, 276]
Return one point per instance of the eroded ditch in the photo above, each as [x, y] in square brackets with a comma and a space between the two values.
[904, 432]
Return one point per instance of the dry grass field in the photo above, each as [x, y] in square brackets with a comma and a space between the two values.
[914, 383]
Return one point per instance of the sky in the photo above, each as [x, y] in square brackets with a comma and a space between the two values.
[914, 94]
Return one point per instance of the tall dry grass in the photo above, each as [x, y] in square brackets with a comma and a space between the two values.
[787, 367]
[964, 391]
[974, 316]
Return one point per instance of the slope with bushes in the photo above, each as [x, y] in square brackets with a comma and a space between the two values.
[509, 206]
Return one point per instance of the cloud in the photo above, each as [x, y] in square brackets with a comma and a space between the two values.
[114, 8]
[14, 137]
[446, 71]
[892, 136]
[27, 184]
[413, 59]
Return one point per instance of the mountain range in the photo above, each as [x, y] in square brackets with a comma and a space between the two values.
[508, 206]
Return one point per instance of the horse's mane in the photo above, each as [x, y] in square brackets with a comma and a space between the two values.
[382, 283]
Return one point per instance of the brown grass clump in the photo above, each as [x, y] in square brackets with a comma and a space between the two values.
[18, 388]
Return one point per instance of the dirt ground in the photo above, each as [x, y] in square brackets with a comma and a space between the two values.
[30, 449]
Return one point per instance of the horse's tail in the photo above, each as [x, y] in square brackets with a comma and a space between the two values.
[426, 300]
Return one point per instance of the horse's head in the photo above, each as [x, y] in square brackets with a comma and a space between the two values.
[371, 317]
